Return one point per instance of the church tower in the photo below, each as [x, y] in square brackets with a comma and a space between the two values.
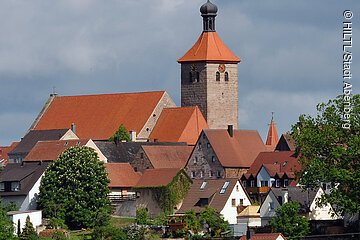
[209, 75]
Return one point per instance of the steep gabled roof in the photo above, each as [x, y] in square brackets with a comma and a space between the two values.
[122, 175]
[237, 151]
[286, 143]
[197, 198]
[33, 136]
[25, 173]
[209, 47]
[272, 137]
[99, 116]
[157, 177]
[50, 150]
[168, 156]
[182, 124]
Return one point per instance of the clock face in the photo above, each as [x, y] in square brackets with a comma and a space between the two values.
[221, 68]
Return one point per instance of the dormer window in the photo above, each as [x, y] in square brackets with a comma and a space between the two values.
[286, 182]
[226, 76]
[218, 76]
[15, 186]
[277, 183]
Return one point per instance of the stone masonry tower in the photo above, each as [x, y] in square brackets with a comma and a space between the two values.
[209, 75]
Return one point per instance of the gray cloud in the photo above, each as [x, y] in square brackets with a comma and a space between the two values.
[290, 51]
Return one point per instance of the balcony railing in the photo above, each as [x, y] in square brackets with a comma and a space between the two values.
[121, 198]
[256, 190]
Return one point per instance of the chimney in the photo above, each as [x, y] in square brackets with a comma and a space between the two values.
[285, 195]
[73, 128]
[133, 135]
[231, 130]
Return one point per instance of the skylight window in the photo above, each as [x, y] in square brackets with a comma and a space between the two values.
[224, 187]
[203, 185]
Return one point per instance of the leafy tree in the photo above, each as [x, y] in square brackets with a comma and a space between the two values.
[142, 216]
[74, 189]
[330, 152]
[191, 221]
[28, 232]
[6, 226]
[289, 222]
[120, 135]
[214, 220]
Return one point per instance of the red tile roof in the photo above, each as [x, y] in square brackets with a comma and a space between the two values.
[4, 158]
[272, 137]
[265, 236]
[157, 177]
[168, 156]
[237, 151]
[182, 124]
[122, 175]
[50, 150]
[276, 162]
[99, 116]
[209, 47]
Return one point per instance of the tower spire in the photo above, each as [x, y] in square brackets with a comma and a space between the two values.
[272, 137]
[208, 12]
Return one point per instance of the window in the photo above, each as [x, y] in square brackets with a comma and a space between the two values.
[241, 202]
[224, 187]
[208, 145]
[264, 183]
[286, 182]
[197, 77]
[237, 188]
[190, 77]
[141, 155]
[135, 169]
[203, 136]
[277, 183]
[271, 206]
[252, 183]
[244, 183]
[2, 186]
[226, 76]
[210, 173]
[195, 159]
[203, 185]
[324, 186]
[199, 145]
[218, 174]
[201, 174]
[213, 158]
[233, 202]
[193, 174]
[217, 76]
[15, 186]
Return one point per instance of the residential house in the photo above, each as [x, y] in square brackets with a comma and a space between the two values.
[4, 150]
[151, 181]
[51, 150]
[161, 156]
[33, 136]
[222, 153]
[248, 218]
[307, 198]
[20, 182]
[264, 236]
[286, 143]
[181, 124]
[270, 169]
[99, 116]
[226, 196]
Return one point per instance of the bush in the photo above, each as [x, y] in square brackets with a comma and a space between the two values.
[135, 232]
[142, 216]
[108, 233]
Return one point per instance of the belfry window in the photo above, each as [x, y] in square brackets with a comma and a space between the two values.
[217, 76]
[226, 76]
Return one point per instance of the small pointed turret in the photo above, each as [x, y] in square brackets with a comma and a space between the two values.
[208, 12]
[272, 137]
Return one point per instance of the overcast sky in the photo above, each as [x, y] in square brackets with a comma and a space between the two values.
[291, 53]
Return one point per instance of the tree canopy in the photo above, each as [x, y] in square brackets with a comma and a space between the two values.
[121, 134]
[288, 221]
[74, 189]
[330, 152]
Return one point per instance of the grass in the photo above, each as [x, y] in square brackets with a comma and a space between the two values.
[121, 221]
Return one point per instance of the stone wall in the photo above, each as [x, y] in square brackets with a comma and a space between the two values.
[141, 161]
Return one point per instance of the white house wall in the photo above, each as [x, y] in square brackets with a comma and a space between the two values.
[35, 219]
[30, 202]
[321, 213]
[229, 212]
[92, 145]
[263, 175]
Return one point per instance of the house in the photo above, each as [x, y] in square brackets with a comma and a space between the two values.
[33, 136]
[161, 156]
[264, 236]
[307, 199]
[248, 218]
[99, 116]
[227, 196]
[221, 153]
[51, 150]
[19, 217]
[153, 181]
[20, 182]
[125, 152]
[286, 143]
[4, 150]
[182, 124]
[270, 169]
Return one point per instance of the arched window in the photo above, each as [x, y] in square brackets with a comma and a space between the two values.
[197, 77]
[226, 76]
[217, 76]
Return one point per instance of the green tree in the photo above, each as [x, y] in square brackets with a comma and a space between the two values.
[74, 189]
[28, 232]
[214, 220]
[191, 221]
[330, 152]
[120, 135]
[6, 226]
[142, 216]
[288, 221]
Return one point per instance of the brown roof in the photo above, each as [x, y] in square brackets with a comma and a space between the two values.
[157, 177]
[250, 212]
[276, 162]
[272, 137]
[168, 156]
[99, 116]
[210, 195]
[4, 150]
[237, 151]
[209, 47]
[50, 150]
[122, 175]
[264, 236]
[182, 124]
